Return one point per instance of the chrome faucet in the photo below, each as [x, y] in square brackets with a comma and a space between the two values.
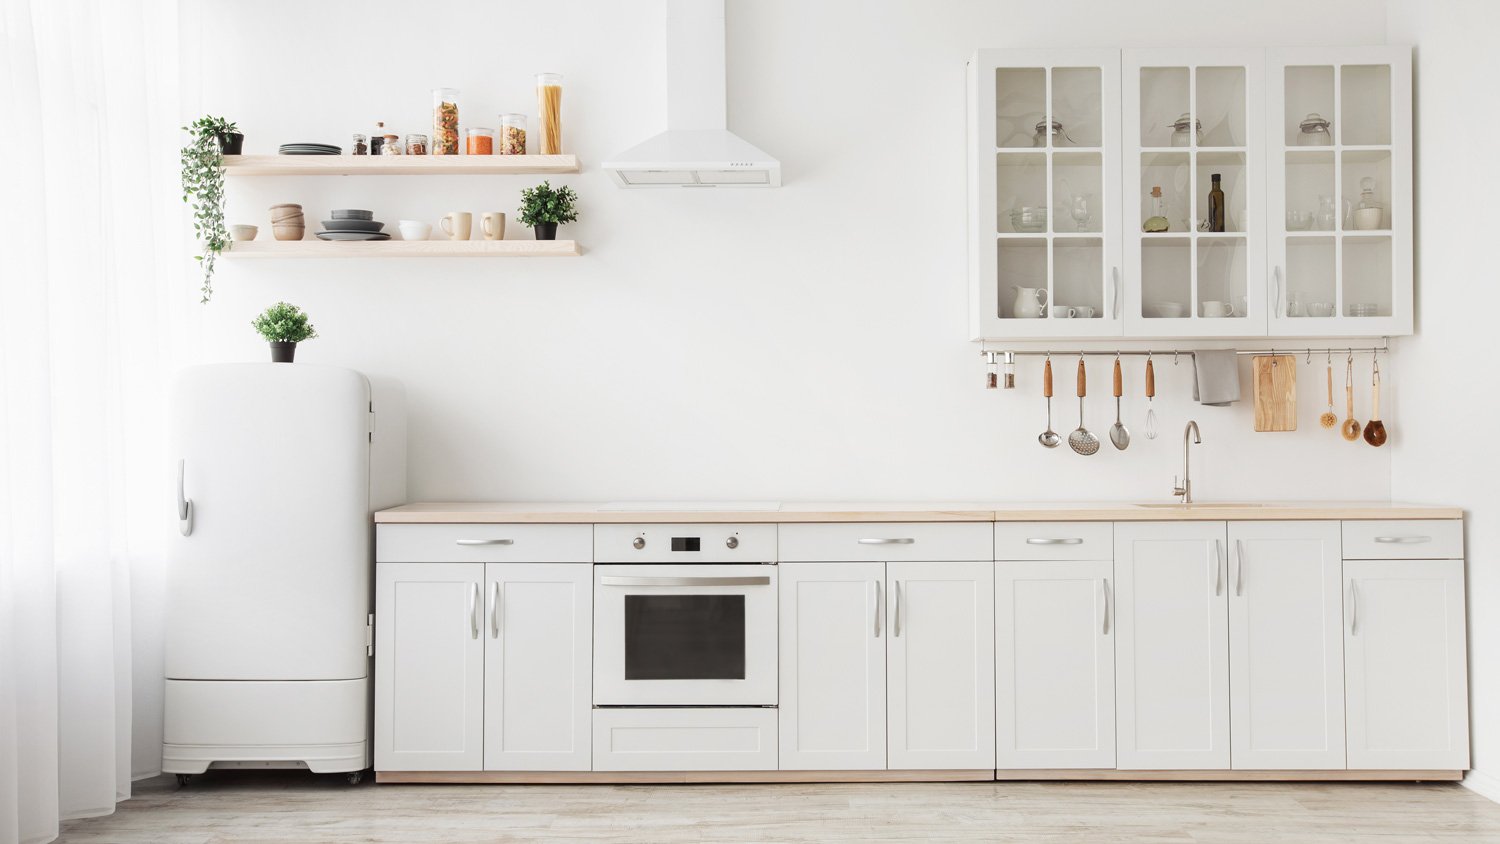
[1185, 490]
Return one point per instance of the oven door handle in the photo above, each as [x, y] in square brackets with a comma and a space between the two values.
[612, 580]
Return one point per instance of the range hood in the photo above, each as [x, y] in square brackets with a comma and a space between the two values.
[697, 150]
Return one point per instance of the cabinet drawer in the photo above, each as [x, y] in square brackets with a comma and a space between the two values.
[685, 739]
[1404, 539]
[886, 541]
[484, 543]
[1054, 541]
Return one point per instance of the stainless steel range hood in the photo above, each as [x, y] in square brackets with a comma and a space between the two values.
[697, 150]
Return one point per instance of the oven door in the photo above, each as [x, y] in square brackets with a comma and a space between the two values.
[685, 635]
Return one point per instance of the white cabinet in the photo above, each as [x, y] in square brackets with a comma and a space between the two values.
[833, 638]
[1337, 269]
[1286, 676]
[538, 630]
[1405, 664]
[1055, 665]
[941, 658]
[1172, 648]
[429, 667]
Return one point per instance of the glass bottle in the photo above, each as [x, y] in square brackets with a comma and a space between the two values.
[1370, 213]
[1156, 212]
[444, 121]
[512, 134]
[377, 139]
[549, 112]
[1215, 205]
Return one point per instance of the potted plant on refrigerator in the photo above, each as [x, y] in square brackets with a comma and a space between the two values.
[211, 138]
[284, 326]
[545, 207]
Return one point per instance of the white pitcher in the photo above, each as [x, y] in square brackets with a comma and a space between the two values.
[1030, 302]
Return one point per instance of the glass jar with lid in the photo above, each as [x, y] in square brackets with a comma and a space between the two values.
[512, 135]
[361, 145]
[1314, 132]
[1059, 137]
[1370, 213]
[479, 140]
[416, 144]
[1187, 131]
[444, 121]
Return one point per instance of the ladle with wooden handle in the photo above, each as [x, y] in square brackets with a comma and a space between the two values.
[1351, 426]
[1375, 431]
[1049, 437]
[1081, 440]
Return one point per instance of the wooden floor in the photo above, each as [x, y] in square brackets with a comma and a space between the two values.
[298, 807]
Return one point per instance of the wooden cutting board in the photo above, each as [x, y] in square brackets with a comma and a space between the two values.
[1275, 378]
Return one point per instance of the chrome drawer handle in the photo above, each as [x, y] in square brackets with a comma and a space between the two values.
[905, 540]
[1038, 540]
[610, 580]
[486, 542]
[1402, 540]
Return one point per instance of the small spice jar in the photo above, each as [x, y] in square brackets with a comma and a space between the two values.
[1314, 131]
[416, 145]
[479, 140]
[361, 144]
[1186, 131]
[512, 134]
[392, 145]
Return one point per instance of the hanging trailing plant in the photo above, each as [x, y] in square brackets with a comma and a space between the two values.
[203, 186]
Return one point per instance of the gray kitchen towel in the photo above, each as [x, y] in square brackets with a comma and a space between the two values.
[1216, 377]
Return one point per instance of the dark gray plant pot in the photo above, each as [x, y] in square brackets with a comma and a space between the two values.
[282, 351]
[232, 143]
[545, 231]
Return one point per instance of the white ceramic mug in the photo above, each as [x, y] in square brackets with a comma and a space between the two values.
[458, 225]
[1215, 309]
[492, 225]
[414, 230]
[1063, 312]
[1084, 312]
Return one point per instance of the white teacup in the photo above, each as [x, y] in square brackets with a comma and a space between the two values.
[1084, 312]
[414, 230]
[1320, 309]
[1216, 309]
[1063, 312]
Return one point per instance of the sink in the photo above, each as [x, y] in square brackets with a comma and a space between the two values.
[1212, 505]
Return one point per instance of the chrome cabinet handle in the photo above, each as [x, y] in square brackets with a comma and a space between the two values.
[1219, 564]
[904, 540]
[896, 626]
[612, 580]
[1353, 610]
[1115, 272]
[1402, 540]
[1239, 567]
[1105, 582]
[877, 609]
[184, 504]
[1039, 540]
[486, 542]
[495, 610]
[474, 611]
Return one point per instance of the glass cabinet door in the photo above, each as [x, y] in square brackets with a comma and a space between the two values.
[1339, 210]
[1044, 141]
[1194, 256]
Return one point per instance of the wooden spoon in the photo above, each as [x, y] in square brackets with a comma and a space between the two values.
[1375, 431]
[1351, 427]
[1328, 419]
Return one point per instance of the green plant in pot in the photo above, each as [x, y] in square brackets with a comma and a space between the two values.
[545, 207]
[210, 139]
[284, 326]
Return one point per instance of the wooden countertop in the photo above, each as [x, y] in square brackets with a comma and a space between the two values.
[507, 512]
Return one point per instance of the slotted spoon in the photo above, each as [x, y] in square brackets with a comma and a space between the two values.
[1329, 419]
[1081, 440]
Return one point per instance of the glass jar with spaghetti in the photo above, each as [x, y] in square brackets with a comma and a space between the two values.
[445, 121]
[549, 112]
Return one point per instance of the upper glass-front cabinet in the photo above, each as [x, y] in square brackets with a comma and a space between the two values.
[1044, 141]
[1190, 193]
[1340, 209]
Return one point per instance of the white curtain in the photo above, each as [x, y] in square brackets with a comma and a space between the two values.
[91, 254]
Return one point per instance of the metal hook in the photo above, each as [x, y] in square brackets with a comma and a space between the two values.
[1309, 355]
[1174, 357]
[1330, 356]
[1351, 356]
[1374, 365]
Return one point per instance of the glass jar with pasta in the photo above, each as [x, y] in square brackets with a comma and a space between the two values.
[512, 140]
[445, 121]
[549, 112]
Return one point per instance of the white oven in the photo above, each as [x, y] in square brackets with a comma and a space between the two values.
[693, 623]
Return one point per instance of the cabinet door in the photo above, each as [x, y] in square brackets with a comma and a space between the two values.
[941, 656]
[1286, 654]
[1172, 646]
[1044, 206]
[1338, 270]
[429, 667]
[1187, 281]
[1054, 665]
[1405, 665]
[537, 666]
[832, 666]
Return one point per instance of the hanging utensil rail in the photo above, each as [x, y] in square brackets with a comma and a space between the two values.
[1009, 355]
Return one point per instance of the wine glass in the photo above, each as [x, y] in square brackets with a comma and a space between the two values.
[1080, 211]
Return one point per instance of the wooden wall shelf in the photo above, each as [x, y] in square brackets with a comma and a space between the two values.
[398, 165]
[404, 249]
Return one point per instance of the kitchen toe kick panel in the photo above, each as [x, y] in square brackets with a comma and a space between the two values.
[685, 739]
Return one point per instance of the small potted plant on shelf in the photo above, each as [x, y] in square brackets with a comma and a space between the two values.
[544, 207]
[284, 326]
[211, 138]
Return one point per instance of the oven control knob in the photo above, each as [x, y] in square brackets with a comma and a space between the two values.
[732, 542]
[639, 542]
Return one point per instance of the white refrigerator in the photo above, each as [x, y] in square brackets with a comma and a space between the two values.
[269, 632]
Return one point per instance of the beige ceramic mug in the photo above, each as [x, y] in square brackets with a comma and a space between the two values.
[492, 225]
[458, 225]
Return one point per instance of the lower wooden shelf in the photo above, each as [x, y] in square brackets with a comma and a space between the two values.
[403, 249]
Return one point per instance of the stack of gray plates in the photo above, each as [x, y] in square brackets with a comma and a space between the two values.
[352, 224]
[310, 149]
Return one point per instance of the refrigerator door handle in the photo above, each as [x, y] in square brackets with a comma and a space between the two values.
[184, 504]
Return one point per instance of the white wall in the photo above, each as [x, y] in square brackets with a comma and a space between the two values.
[1437, 455]
[794, 344]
